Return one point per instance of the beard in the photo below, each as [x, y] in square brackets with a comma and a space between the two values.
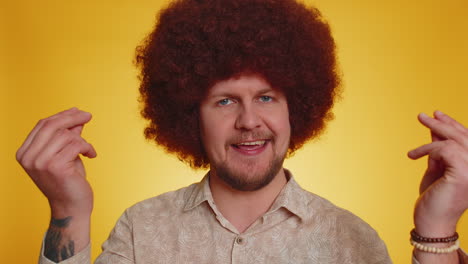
[249, 180]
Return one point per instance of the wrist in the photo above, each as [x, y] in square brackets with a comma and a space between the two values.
[434, 226]
[435, 229]
[80, 211]
[435, 249]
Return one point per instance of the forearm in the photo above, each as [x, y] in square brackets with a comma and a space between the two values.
[66, 237]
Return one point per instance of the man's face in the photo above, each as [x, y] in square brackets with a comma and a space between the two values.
[245, 131]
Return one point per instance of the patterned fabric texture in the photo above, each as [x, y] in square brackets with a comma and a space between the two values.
[184, 226]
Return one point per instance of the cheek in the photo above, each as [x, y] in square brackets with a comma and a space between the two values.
[283, 133]
[285, 129]
[280, 122]
[215, 130]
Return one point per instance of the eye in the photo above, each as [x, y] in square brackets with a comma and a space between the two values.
[225, 101]
[266, 98]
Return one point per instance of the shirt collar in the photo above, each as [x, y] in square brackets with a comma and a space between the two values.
[200, 192]
[292, 197]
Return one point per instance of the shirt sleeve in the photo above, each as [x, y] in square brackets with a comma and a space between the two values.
[83, 257]
[118, 248]
[461, 254]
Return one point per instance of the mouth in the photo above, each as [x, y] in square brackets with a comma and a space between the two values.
[251, 147]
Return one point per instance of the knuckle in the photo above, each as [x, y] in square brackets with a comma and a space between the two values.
[41, 122]
[75, 144]
[25, 161]
[450, 149]
[54, 124]
[65, 134]
[48, 124]
[19, 155]
[75, 140]
[450, 143]
[39, 165]
[60, 132]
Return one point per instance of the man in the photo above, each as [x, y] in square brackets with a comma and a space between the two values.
[236, 86]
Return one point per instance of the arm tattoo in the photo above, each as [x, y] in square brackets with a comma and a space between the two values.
[64, 222]
[56, 247]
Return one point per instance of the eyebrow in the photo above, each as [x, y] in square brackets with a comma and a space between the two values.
[231, 94]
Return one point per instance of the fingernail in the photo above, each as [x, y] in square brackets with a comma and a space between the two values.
[423, 115]
[439, 112]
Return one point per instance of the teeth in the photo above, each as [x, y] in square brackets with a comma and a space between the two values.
[253, 143]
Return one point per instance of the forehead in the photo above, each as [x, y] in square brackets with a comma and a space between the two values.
[239, 85]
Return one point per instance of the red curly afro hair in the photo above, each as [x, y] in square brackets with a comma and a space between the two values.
[196, 43]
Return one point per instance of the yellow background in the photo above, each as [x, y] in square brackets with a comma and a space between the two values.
[398, 58]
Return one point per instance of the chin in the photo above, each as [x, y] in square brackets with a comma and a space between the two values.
[249, 176]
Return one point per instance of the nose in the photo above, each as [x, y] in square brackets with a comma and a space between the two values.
[247, 118]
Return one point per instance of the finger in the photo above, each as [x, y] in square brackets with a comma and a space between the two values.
[441, 129]
[434, 137]
[449, 120]
[452, 155]
[77, 129]
[50, 127]
[90, 151]
[61, 139]
[36, 128]
[71, 151]
[425, 149]
[65, 160]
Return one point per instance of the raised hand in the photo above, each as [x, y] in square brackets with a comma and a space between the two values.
[444, 187]
[51, 157]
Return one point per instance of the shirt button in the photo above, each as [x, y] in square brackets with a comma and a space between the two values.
[239, 240]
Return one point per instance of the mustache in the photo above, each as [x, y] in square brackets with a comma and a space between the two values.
[249, 136]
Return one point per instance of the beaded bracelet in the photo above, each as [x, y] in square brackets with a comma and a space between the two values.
[435, 250]
[418, 238]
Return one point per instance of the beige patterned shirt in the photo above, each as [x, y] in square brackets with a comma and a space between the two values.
[184, 226]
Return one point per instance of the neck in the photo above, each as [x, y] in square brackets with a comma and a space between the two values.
[243, 208]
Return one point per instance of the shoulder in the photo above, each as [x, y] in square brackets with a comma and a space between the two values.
[342, 233]
[345, 230]
[342, 220]
[168, 203]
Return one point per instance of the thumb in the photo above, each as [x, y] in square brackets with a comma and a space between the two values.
[77, 129]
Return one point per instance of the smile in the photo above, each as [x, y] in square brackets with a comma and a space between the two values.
[251, 147]
[253, 143]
